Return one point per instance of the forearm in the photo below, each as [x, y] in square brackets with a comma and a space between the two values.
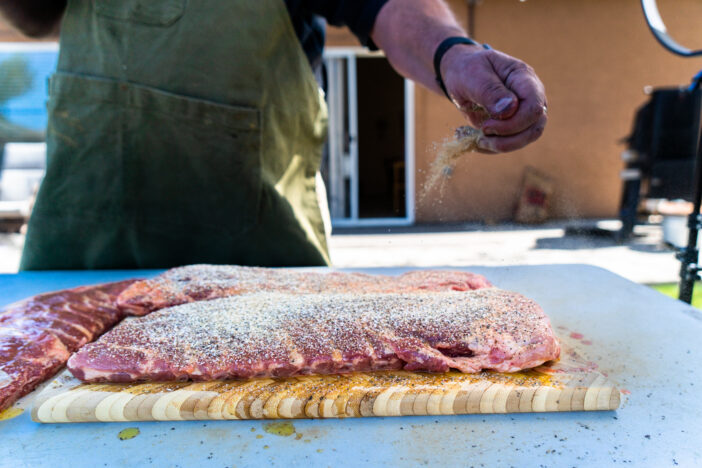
[35, 18]
[499, 94]
[409, 31]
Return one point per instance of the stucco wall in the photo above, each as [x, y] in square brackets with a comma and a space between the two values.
[9, 33]
[595, 57]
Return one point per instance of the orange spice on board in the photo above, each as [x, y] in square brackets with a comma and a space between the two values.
[10, 413]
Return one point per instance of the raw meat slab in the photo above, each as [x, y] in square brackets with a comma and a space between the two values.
[570, 384]
[202, 282]
[283, 335]
[38, 335]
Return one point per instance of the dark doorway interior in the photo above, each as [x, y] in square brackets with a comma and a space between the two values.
[381, 140]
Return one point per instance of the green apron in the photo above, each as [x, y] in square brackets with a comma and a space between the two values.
[180, 131]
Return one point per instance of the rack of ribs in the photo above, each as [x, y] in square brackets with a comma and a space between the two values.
[203, 282]
[279, 335]
[38, 335]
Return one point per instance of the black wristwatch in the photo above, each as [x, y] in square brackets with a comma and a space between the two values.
[444, 47]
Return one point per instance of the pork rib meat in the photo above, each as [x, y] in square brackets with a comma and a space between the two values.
[203, 282]
[38, 335]
[277, 334]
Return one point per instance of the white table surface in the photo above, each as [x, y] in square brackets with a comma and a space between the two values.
[648, 344]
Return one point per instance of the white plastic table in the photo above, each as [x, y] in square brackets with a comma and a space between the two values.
[648, 344]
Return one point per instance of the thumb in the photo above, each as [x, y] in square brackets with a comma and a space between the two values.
[490, 92]
[477, 82]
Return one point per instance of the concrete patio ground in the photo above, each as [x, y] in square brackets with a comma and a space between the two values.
[643, 259]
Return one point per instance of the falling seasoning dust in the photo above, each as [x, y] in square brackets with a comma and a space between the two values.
[128, 433]
[283, 428]
[447, 155]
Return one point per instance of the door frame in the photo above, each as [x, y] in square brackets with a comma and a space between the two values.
[336, 156]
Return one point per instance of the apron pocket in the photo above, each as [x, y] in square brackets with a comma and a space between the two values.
[153, 160]
[155, 13]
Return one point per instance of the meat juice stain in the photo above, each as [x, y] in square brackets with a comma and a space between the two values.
[128, 433]
[580, 336]
[10, 413]
[280, 428]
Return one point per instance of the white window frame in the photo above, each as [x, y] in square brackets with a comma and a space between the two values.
[6, 47]
[335, 145]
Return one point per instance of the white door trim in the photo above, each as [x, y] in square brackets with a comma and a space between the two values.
[409, 152]
[28, 47]
[352, 107]
[350, 54]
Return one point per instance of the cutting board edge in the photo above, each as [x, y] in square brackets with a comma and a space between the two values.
[253, 400]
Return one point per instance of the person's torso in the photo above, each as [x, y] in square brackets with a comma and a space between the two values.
[175, 116]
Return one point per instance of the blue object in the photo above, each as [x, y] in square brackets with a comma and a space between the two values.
[28, 109]
[646, 342]
[696, 80]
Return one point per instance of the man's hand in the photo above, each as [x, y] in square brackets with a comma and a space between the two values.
[499, 94]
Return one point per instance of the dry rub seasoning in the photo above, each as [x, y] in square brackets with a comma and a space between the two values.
[465, 140]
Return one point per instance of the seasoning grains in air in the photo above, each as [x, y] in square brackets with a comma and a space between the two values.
[448, 153]
[281, 334]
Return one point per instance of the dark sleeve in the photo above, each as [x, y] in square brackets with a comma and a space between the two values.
[358, 15]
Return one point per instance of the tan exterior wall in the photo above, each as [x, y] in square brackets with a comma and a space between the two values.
[7, 33]
[10, 34]
[339, 37]
[595, 57]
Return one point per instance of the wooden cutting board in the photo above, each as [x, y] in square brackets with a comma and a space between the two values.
[569, 384]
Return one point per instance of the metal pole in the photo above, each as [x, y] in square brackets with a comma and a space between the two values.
[689, 270]
[470, 24]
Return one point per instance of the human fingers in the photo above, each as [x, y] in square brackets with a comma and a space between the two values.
[475, 114]
[523, 81]
[471, 80]
[504, 144]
